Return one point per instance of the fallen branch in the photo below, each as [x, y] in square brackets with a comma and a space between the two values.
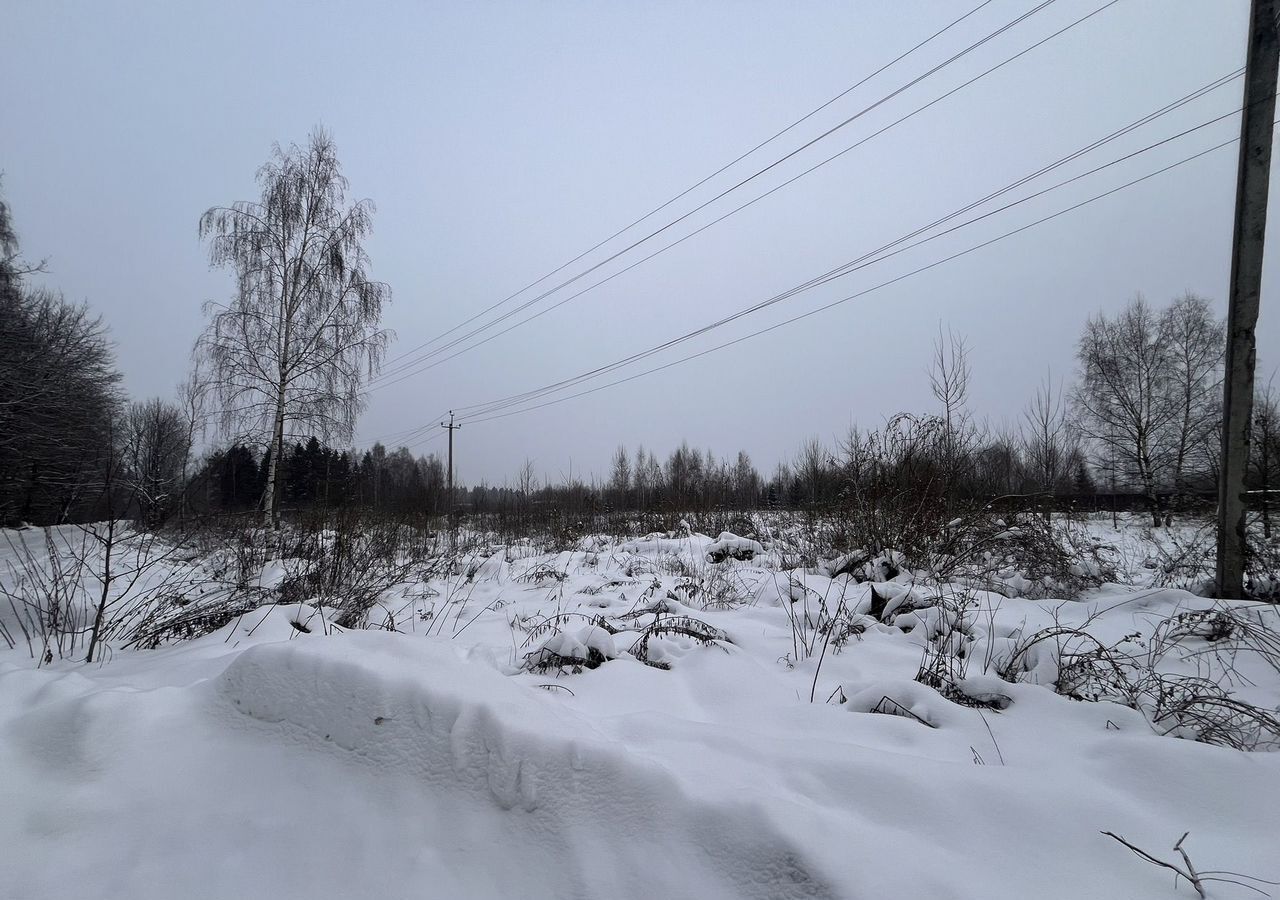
[1196, 879]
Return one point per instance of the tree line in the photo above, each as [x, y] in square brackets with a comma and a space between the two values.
[315, 476]
[1140, 419]
[277, 376]
[70, 442]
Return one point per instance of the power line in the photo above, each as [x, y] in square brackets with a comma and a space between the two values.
[451, 428]
[401, 371]
[879, 254]
[489, 410]
[406, 432]
[402, 367]
[427, 436]
[862, 293]
[424, 441]
[693, 187]
[1194, 95]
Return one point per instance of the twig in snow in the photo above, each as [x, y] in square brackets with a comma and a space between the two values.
[556, 687]
[1188, 873]
[1196, 879]
[993, 737]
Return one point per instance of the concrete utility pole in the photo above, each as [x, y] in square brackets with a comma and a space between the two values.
[1252, 182]
[452, 428]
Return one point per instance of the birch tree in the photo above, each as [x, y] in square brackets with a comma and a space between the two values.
[1194, 339]
[1122, 402]
[746, 482]
[620, 478]
[1150, 391]
[287, 355]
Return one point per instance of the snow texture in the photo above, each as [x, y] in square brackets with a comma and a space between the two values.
[269, 761]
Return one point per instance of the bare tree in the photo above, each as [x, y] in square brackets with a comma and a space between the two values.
[288, 353]
[193, 403]
[526, 487]
[746, 482]
[811, 467]
[58, 395]
[620, 477]
[155, 448]
[949, 377]
[780, 484]
[683, 474]
[117, 555]
[1048, 444]
[1123, 399]
[1194, 340]
[999, 468]
[1149, 394]
[642, 479]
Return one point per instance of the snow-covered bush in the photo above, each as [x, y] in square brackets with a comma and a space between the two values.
[73, 589]
[729, 546]
[652, 634]
[583, 648]
[1135, 672]
[1026, 556]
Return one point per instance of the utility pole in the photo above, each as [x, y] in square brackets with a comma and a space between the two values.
[1252, 181]
[452, 428]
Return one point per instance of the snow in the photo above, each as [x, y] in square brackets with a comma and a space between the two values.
[730, 545]
[587, 646]
[493, 568]
[277, 761]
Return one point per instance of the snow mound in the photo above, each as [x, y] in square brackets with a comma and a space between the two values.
[900, 697]
[730, 546]
[271, 575]
[587, 647]
[611, 826]
[492, 569]
[659, 545]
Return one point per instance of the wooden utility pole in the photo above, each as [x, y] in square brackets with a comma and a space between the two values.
[1252, 181]
[452, 428]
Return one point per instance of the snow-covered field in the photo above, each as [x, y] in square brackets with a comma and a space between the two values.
[628, 719]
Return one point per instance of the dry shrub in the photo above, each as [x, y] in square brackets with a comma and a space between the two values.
[74, 590]
[1198, 707]
[1026, 555]
[343, 561]
[656, 619]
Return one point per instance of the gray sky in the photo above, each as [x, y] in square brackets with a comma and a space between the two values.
[500, 140]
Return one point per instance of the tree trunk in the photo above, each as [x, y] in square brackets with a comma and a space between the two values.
[270, 499]
[98, 617]
[1147, 474]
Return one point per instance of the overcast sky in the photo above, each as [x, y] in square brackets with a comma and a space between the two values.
[500, 140]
